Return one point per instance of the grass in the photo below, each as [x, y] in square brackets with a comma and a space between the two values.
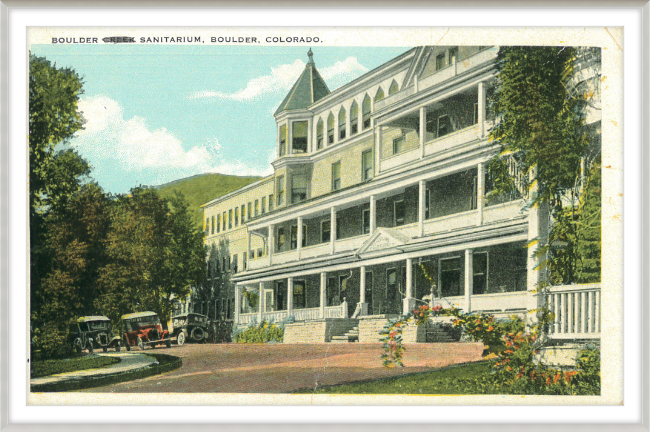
[201, 189]
[451, 380]
[57, 366]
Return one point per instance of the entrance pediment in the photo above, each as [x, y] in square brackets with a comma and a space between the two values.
[383, 239]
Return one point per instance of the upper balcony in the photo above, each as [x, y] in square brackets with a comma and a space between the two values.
[457, 67]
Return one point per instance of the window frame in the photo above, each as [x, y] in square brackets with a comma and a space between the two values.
[447, 126]
[256, 207]
[342, 124]
[395, 203]
[294, 150]
[329, 230]
[486, 274]
[280, 190]
[365, 211]
[367, 173]
[461, 285]
[230, 219]
[366, 121]
[303, 284]
[283, 142]
[320, 135]
[280, 239]
[401, 140]
[336, 186]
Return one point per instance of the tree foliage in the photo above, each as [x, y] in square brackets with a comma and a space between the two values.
[541, 111]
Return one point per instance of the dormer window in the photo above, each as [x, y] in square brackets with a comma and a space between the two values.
[330, 129]
[299, 137]
[298, 188]
[366, 112]
[283, 140]
[342, 125]
[354, 119]
[394, 88]
[379, 95]
[319, 135]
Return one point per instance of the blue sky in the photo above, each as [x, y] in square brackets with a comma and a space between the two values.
[160, 113]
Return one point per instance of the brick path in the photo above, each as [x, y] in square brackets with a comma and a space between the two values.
[280, 368]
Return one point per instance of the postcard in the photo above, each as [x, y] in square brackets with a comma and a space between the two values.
[325, 216]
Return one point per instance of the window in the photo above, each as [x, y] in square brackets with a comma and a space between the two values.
[365, 224]
[236, 216]
[398, 144]
[234, 263]
[212, 225]
[453, 55]
[243, 212]
[319, 134]
[394, 88]
[354, 119]
[298, 188]
[299, 136]
[252, 253]
[480, 270]
[294, 236]
[440, 61]
[206, 227]
[342, 124]
[330, 129]
[299, 294]
[444, 125]
[379, 95]
[365, 113]
[332, 292]
[280, 189]
[263, 205]
[228, 263]
[398, 213]
[260, 252]
[367, 165]
[450, 276]
[281, 239]
[257, 207]
[250, 214]
[271, 202]
[336, 175]
[243, 261]
[475, 113]
[283, 140]
[368, 289]
[230, 219]
[225, 220]
[325, 230]
[427, 203]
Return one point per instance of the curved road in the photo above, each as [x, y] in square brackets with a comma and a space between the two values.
[280, 368]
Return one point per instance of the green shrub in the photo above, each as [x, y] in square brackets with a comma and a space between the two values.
[264, 332]
[49, 343]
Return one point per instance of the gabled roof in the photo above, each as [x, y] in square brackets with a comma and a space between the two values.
[309, 88]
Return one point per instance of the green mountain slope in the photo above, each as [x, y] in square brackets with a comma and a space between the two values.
[202, 188]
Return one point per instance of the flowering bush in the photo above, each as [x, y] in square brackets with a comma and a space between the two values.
[265, 332]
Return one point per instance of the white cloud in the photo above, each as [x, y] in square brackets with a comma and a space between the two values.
[283, 77]
[107, 135]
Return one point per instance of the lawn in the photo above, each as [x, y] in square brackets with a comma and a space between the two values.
[83, 362]
[450, 380]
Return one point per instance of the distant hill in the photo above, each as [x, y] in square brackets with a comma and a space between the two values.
[200, 189]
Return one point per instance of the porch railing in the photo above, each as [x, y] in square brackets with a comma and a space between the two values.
[577, 311]
[339, 311]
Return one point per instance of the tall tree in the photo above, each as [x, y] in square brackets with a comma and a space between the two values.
[155, 255]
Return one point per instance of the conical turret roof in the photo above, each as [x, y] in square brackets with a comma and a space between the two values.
[309, 88]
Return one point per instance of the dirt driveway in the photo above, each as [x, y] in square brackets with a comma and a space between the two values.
[279, 368]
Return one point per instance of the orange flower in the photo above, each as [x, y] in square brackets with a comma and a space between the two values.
[508, 343]
[569, 375]
[508, 352]
[519, 375]
[509, 369]
[557, 377]
[478, 328]
[548, 381]
[490, 328]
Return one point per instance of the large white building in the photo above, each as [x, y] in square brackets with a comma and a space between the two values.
[379, 189]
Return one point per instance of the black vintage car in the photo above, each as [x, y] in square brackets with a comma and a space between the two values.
[93, 332]
[190, 327]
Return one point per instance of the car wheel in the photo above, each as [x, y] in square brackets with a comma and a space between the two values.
[197, 334]
[140, 343]
[181, 338]
[168, 343]
[77, 346]
[127, 345]
[91, 349]
[118, 347]
[105, 349]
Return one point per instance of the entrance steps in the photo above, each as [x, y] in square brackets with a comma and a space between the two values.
[351, 335]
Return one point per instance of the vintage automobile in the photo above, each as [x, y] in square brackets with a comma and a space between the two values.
[142, 329]
[190, 327]
[93, 332]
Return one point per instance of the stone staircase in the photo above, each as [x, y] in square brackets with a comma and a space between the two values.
[351, 335]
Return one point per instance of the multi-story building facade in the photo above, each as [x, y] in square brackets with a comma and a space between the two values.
[377, 203]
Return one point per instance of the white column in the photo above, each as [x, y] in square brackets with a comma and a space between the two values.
[409, 301]
[373, 214]
[237, 303]
[271, 243]
[289, 296]
[378, 142]
[333, 228]
[423, 130]
[261, 303]
[289, 137]
[480, 193]
[362, 292]
[323, 292]
[469, 279]
[299, 245]
[537, 236]
[422, 200]
[481, 109]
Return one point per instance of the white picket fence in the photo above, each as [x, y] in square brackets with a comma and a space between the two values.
[577, 311]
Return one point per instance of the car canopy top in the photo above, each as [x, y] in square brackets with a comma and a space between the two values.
[92, 318]
[138, 315]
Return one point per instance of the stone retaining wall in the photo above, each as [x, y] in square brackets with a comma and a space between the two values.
[317, 331]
